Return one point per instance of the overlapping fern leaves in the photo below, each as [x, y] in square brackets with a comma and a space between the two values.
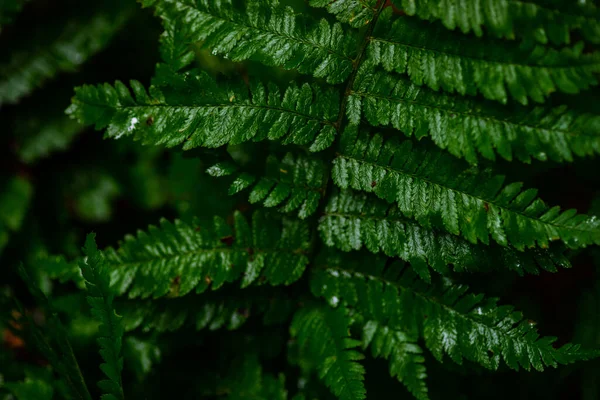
[404, 199]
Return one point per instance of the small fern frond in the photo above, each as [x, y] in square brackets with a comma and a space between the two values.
[451, 320]
[405, 356]
[357, 13]
[100, 299]
[438, 190]
[192, 109]
[247, 381]
[354, 220]
[543, 21]
[227, 311]
[478, 127]
[294, 183]
[439, 59]
[76, 41]
[175, 258]
[323, 333]
[267, 32]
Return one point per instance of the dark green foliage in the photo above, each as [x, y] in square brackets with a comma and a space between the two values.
[450, 320]
[176, 258]
[380, 146]
[294, 183]
[542, 21]
[477, 127]
[443, 60]
[466, 201]
[323, 334]
[100, 299]
[195, 110]
[73, 43]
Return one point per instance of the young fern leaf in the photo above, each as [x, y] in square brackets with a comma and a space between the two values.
[191, 108]
[438, 190]
[357, 13]
[265, 31]
[450, 320]
[352, 221]
[439, 59]
[76, 41]
[176, 258]
[467, 127]
[405, 356]
[542, 21]
[323, 333]
[294, 183]
[100, 299]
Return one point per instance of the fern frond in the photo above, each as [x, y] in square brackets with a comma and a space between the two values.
[294, 183]
[438, 190]
[451, 320]
[354, 220]
[357, 13]
[175, 258]
[227, 311]
[100, 299]
[15, 197]
[469, 128]
[543, 21]
[439, 59]
[192, 109]
[76, 41]
[267, 32]
[323, 332]
[405, 356]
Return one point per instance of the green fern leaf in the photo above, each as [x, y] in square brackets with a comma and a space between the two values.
[100, 298]
[357, 13]
[176, 258]
[324, 333]
[75, 42]
[437, 190]
[434, 57]
[450, 320]
[543, 21]
[477, 127]
[405, 356]
[248, 381]
[353, 221]
[266, 32]
[294, 183]
[192, 109]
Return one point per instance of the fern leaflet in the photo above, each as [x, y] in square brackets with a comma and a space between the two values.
[436, 189]
[543, 21]
[450, 61]
[176, 258]
[100, 299]
[323, 332]
[450, 320]
[294, 183]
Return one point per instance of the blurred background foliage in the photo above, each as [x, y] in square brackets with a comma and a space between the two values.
[59, 181]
